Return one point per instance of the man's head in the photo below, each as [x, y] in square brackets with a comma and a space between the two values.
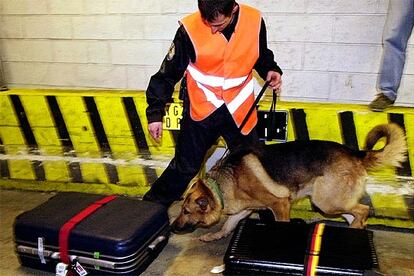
[217, 14]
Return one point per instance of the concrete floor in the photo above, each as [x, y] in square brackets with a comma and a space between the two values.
[185, 255]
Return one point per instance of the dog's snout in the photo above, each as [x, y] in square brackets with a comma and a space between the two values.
[182, 229]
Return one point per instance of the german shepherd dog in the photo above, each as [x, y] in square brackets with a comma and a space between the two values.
[331, 174]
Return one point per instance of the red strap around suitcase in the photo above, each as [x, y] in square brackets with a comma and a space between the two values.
[68, 226]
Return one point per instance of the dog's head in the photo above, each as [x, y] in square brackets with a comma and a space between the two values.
[200, 209]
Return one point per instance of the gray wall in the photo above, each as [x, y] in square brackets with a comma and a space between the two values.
[329, 49]
[2, 81]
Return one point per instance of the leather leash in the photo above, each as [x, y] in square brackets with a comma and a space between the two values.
[266, 84]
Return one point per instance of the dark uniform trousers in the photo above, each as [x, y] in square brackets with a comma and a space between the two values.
[194, 140]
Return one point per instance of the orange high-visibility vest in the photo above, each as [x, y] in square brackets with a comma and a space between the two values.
[222, 72]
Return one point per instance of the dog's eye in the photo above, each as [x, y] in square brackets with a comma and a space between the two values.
[185, 212]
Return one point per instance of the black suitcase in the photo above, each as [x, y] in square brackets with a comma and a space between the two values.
[120, 235]
[289, 248]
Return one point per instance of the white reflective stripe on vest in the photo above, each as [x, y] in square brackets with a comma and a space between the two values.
[210, 96]
[241, 97]
[205, 79]
[213, 80]
[230, 83]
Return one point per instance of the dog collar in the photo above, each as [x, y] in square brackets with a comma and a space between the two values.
[215, 188]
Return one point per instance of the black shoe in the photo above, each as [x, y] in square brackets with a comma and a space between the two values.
[380, 103]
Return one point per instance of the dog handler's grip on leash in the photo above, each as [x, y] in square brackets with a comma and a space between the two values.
[274, 80]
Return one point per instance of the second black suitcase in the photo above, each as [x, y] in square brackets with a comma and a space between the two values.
[284, 248]
[122, 236]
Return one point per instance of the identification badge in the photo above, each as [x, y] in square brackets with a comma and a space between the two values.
[173, 116]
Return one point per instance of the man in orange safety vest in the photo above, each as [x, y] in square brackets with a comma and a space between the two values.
[216, 50]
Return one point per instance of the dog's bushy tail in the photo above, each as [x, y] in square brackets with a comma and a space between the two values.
[392, 154]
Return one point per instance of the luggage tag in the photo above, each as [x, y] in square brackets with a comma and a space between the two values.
[77, 268]
[40, 249]
[61, 269]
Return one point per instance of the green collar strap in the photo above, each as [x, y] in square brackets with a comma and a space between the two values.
[215, 188]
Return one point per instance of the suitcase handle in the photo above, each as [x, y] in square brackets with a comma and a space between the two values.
[154, 245]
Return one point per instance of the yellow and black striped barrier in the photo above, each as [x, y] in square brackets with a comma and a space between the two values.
[77, 136]
[98, 141]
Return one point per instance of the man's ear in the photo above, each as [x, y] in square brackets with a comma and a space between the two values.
[202, 201]
[235, 8]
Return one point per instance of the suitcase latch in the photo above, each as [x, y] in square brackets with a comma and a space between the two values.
[156, 242]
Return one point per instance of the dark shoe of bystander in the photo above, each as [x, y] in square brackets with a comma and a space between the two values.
[380, 103]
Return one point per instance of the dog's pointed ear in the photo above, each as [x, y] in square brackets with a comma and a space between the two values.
[202, 201]
[207, 193]
[200, 184]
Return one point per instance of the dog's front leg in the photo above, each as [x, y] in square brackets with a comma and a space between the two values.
[227, 228]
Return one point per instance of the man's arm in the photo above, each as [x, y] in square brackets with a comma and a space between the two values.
[161, 86]
[265, 65]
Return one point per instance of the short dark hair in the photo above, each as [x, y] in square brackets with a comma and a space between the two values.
[210, 9]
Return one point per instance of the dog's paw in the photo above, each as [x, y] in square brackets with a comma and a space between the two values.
[211, 237]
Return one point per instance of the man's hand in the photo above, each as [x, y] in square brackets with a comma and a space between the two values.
[275, 81]
[155, 129]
